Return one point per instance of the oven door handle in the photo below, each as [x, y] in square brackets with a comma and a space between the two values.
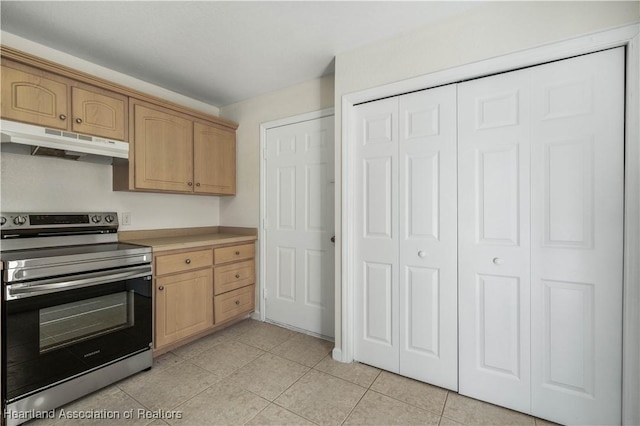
[22, 290]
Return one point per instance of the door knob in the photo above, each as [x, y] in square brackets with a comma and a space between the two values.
[161, 288]
[63, 117]
[422, 254]
[188, 261]
[237, 302]
[333, 239]
[79, 120]
[497, 261]
[237, 275]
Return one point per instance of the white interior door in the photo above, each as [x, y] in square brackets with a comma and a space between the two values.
[494, 247]
[376, 234]
[577, 238]
[300, 225]
[428, 281]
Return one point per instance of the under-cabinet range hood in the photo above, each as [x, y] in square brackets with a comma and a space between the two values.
[34, 140]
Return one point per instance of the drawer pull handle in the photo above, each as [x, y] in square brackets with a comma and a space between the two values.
[161, 288]
[237, 275]
[188, 261]
[237, 302]
[237, 253]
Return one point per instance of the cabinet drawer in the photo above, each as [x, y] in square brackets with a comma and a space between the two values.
[169, 263]
[232, 303]
[233, 276]
[229, 254]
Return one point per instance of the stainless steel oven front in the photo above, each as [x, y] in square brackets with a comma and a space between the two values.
[74, 319]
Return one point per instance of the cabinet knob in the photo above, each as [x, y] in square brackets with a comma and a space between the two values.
[237, 253]
[79, 120]
[161, 288]
[422, 254]
[63, 117]
[190, 183]
[188, 261]
[237, 302]
[497, 261]
[237, 275]
[197, 183]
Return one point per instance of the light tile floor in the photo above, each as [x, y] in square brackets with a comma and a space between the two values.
[256, 373]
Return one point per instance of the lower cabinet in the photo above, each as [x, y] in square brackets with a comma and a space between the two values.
[184, 305]
[197, 290]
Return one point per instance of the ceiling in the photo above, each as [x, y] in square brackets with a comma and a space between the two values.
[218, 52]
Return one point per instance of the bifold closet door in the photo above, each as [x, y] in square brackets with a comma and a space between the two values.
[541, 163]
[428, 237]
[405, 234]
[577, 157]
[494, 247]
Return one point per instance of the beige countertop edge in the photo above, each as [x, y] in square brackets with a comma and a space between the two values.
[163, 242]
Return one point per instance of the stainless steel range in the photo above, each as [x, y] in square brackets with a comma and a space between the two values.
[76, 309]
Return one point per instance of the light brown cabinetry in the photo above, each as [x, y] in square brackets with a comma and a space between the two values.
[37, 97]
[183, 295]
[198, 289]
[174, 152]
[234, 282]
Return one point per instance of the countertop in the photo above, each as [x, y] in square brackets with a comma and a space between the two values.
[184, 238]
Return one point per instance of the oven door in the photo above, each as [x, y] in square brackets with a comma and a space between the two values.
[68, 326]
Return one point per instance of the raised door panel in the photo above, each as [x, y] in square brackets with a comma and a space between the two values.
[163, 146]
[214, 160]
[428, 236]
[494, 247]
[97, 113]
[376, 235]
[33, 98]
[577, 238]
[184, 305]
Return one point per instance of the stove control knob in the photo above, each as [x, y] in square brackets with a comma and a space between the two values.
[19, 220]
[3, 220]
[109, 218]
[96, 219]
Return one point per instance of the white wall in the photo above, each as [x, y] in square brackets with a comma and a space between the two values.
[495, 29]
[52, 184]
[49, 184]
[313, 95]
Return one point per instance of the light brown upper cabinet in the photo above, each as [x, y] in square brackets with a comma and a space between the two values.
[175, 152]
[214, 160]
[163, 150]
[37, 97]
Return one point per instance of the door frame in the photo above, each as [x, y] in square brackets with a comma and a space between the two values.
[627, 36]
[262, 228]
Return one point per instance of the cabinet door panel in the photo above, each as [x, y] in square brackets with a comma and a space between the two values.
[214, 160]
[99, 114]
[163, 146]
[34, 99]
[184, 305]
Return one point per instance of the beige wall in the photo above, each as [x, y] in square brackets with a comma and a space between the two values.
[492, 30]
[314, 95]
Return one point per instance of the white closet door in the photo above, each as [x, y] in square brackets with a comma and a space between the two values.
[494, 248]
[576, 228]
[376, 234]
[428, 237]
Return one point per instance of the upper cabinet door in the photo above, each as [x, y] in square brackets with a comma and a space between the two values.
[34, 99]
[99, 113]
[214, 160]
[163, 150]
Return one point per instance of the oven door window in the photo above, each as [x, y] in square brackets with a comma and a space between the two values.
[71, 323]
